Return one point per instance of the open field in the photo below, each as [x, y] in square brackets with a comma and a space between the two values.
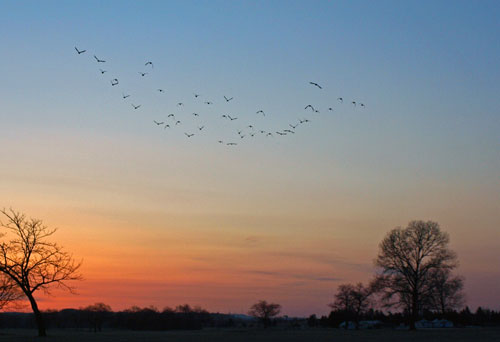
[223, 335]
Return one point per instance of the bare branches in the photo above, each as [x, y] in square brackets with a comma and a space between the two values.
[409, 259]
[30, 261]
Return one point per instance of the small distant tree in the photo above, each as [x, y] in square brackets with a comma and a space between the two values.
[408, 258]
[264, 311]
[353, 300]
[32, 262]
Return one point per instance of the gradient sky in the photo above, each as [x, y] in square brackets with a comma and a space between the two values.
[159, 219]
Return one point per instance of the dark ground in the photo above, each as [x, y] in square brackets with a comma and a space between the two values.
[260, 335]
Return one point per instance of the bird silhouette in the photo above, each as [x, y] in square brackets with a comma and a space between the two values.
[158, 123]
[143, 73]
[180, 104]
[280, 133]
[340, 99]
[161, 90]
[362, 104]
[261, 112]
[177, 122]
[114, 82]
[309, 106]
[220, 142]
[171, 115]
[196, 95]
[149, 63]
[136, 107]
[231, 118]
[208, 102]
[288, 131]
[102, 71]
[201, 127]
[232, 144]
[189, 135]
[99, 60]
[227, 100]
[79, 51]
[166, 126]
[293, 127]
[196, 114]
[330, 109]
[316, 84]
[354, 103]
[125, 96]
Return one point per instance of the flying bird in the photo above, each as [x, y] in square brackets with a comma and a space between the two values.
[171, 115]
[158, 123]
[309, 106]
[102, 71]
[280, 133]
[362, 104]
[196, 114]
[316, 84]
[180, 104]
[250, 126]
[293, 126]
[79, 51]
[354, 103]
[288, 131]
[261, 112]
[177, 122]
[227, 100]
[221, 142]
[340, 99]
[99, 60]
[165, 127]
[208, 102]
[231, 144]
[125, 96]
[196, 95]
[201, 127]
[330, 109]
[135, 107]
[114, 82]
[149, 63]
[143, 73]
[189, 135]
[231, 118]
[161, 90]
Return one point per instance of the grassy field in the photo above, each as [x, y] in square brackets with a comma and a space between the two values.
[444, 335]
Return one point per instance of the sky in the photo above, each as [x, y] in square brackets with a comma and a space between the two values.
[161, 219]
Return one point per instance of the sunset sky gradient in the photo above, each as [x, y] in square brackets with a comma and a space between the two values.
[159, 219]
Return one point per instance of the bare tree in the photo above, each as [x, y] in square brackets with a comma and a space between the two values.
[97, 315]
[446, 291]
[353, 300]
[407, 258]
[264, 311]
[32, 262]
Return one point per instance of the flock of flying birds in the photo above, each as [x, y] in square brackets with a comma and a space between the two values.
[172, 121]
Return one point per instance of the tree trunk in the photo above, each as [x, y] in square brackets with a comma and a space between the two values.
[414, 312]
[38, 315]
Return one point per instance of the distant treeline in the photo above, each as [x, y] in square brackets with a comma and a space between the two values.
[184, 317]
[465, 317]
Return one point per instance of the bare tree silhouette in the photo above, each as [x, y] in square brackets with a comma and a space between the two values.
[264, 311]
[408, 257]
[32, 262]
[446, 291]
[353, 300]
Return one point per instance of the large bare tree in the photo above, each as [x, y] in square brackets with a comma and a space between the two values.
[408, 258]
[31, 261]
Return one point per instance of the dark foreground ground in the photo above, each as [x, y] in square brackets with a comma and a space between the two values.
[223, 335]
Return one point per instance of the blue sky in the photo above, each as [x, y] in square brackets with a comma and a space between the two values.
[426, 145]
